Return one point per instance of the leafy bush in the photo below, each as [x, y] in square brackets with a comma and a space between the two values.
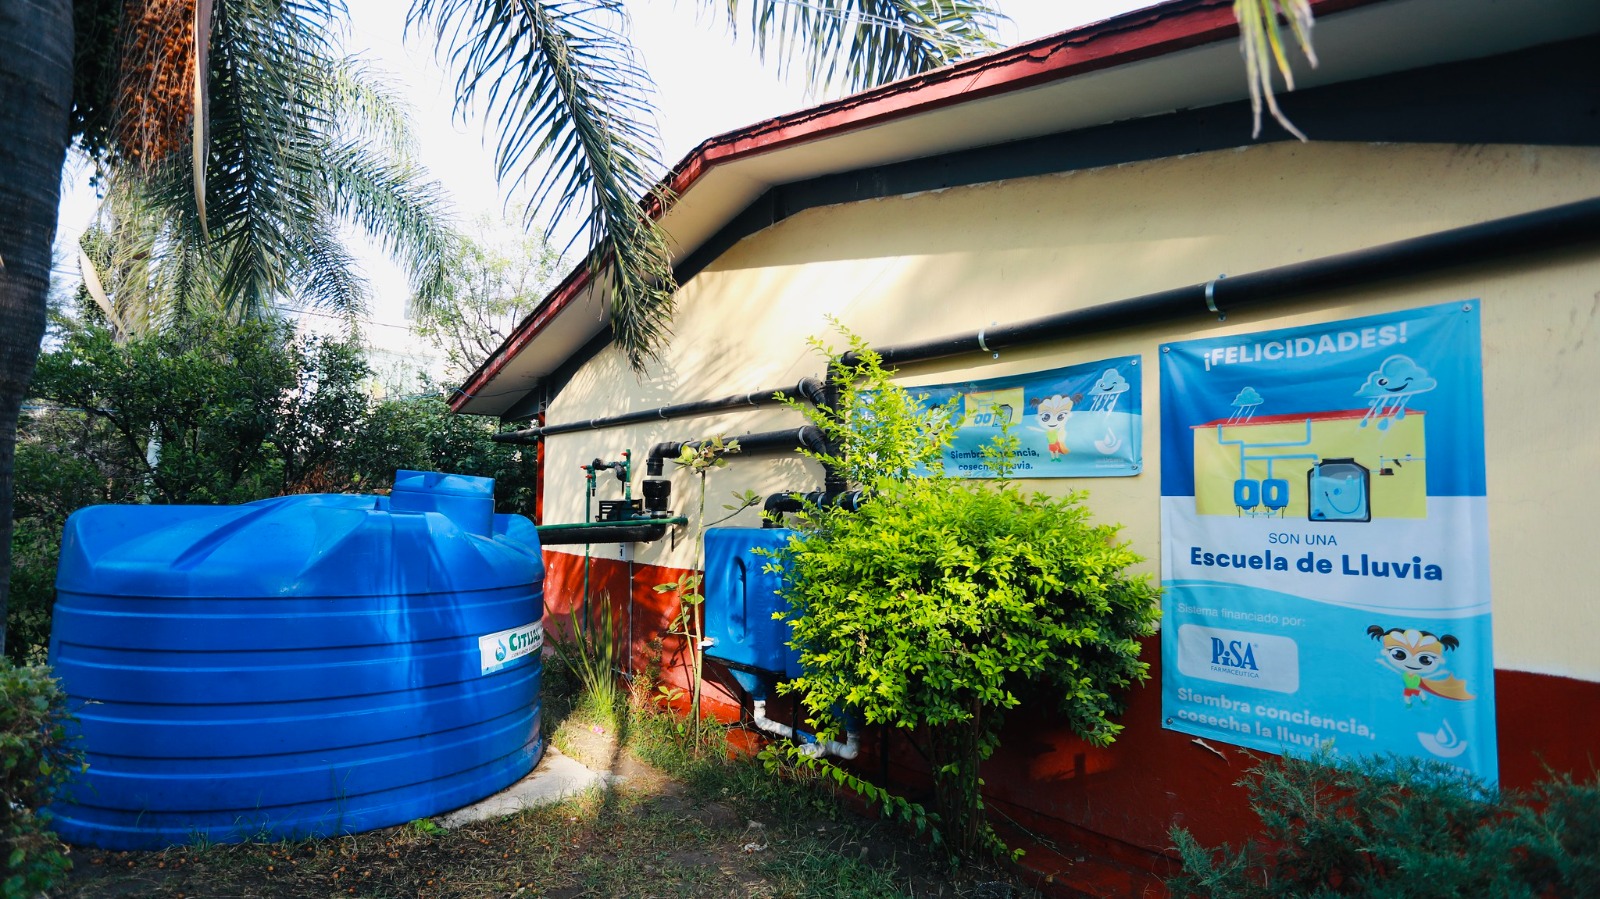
[422, 434]
[938, 602]
[1400, 827]
[209, 412]
[36, 760]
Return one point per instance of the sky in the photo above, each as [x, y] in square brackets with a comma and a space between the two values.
[707, 83]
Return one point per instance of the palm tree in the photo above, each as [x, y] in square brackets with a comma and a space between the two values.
[565, 90]
[298, 143]
[560, 81]
[35, 94]
[558, 76]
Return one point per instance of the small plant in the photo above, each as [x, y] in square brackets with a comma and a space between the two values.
[594, 656]
[37, 759]
[424, 826]
[689, 623]
[1400, 827]
[789, 762]
[937, 603]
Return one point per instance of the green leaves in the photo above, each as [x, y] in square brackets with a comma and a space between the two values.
[37, 760]
[1399, 827]
[1261, 40]
[301, 143]
[858, 44]
[571, 103]
[939, 604]
[880, 433]
[211, 413]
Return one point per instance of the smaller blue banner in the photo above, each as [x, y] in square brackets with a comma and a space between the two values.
[1082, 421]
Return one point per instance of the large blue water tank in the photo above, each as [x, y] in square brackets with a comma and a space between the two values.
[300, 666]
[741, 597]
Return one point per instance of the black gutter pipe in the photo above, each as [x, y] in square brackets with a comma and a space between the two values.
[1544, 229]
[806, 436]
[808, 389]
[598, 532]
[779, 504]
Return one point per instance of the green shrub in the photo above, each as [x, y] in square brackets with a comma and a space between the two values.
[939, 602]
[34, 552]
[36, 760]
[1400, 827]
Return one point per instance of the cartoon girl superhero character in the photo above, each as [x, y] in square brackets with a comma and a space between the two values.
[1053, 412]
[1417, 655]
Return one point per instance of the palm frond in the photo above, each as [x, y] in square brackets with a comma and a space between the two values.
[301, 142]
[367, 104]
[388, 198]
[148, 274]
[858, 44]
[264, 126]
[1261, 40]
[200, 136]
[570, 101]
[324, 273]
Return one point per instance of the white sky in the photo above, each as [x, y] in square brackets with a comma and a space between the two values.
[706, 84]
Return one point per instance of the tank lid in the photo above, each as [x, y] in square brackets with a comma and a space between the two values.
[311, 545]
[444, 484]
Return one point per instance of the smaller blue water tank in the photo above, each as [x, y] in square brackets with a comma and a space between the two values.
[741, 598]
[296, 667]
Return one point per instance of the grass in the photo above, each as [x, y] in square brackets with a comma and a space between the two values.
[691, 821]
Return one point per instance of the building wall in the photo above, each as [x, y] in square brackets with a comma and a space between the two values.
[947, 262]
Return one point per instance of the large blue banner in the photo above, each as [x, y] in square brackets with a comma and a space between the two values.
[1083, 421]
[1325, 553]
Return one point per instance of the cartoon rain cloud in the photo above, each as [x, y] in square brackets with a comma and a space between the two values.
[1245, 405]
[1105, 392]
[1389, 389]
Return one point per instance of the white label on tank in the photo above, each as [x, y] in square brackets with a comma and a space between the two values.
[500, 649]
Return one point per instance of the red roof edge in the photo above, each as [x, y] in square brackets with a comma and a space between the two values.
[1130, 37]
[1295, 417]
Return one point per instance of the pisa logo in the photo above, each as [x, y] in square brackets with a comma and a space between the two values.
[1241, 658]
[1239, 655]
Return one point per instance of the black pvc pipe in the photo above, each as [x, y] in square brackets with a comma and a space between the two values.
[1544, 229]
[808, 389]
[779, 504]
[833, 482]
[807, 436]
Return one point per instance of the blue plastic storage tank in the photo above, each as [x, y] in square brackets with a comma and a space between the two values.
[300, 666]
[741, 598]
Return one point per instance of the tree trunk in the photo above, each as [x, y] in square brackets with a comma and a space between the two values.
[35, 94]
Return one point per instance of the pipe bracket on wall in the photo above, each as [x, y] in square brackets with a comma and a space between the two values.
[1211, 298]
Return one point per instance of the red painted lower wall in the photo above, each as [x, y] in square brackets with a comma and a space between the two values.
[1118, 802]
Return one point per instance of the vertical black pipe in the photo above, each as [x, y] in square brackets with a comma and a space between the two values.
[833, 481]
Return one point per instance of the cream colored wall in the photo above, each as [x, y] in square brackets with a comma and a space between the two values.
[934, 264]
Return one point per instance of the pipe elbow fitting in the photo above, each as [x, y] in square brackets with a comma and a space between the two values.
[810, 437]
[811, 390]
[655, 463]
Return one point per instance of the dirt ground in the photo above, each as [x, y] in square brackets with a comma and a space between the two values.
[654, 836]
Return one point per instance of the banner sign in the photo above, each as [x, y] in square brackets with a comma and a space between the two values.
[1082, 421]
[1325, 552]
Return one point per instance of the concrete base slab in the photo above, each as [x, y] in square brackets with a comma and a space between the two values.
[556, 778]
